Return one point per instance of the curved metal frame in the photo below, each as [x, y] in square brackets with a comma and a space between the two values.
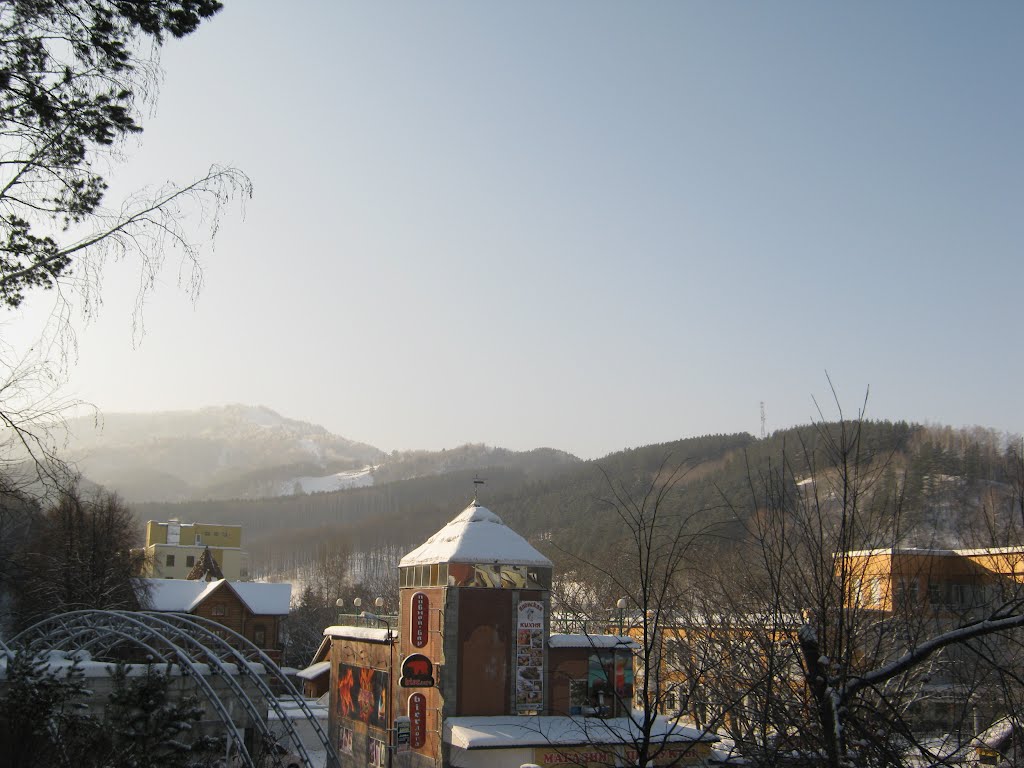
[206, 626]
[185, 640]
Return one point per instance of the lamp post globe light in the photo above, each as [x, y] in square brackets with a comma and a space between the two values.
[621, 604]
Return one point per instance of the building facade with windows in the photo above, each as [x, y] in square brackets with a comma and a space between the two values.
[945, 581]
[173, 549]
[931, 591]
[255, 610]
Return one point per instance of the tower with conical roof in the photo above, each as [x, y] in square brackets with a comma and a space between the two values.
[476, 602]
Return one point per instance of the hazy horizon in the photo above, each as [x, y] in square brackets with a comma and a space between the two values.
[586, 226]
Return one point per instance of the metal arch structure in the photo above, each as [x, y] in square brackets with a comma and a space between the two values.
[247, 652]
[80, 629]
[187, 641]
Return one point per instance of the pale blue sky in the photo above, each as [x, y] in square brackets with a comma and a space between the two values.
[589, 225]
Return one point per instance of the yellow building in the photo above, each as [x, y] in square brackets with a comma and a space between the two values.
[706, 665]
[954, 581]
[173, 548]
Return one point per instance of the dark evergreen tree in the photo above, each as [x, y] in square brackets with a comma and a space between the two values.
[308, 618]
[42, 722]
[149, 725]
[71, 72]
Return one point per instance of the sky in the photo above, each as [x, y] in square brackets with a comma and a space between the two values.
[586, 225]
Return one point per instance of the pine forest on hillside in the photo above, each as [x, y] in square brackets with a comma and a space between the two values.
[954, 488]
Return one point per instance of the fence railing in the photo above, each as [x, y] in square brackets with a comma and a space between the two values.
[359, 620]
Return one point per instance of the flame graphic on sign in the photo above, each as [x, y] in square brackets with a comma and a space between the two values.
[345, 693]
[366, 703]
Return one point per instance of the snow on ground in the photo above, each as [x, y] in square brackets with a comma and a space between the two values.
[359, 478]
[317, 753]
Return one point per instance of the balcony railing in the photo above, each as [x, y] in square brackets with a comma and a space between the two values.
[359, 620]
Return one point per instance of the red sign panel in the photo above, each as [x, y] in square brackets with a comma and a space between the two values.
[417, 720]
[420, 611]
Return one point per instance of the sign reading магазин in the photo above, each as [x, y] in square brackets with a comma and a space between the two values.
[598, 756]
[530, 656]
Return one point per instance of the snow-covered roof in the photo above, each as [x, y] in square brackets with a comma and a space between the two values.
[314, 671]
[60, 663]
[373, 634]
[183, 596]
[591, 641]
[544, 731]
[265, 598]
[178, 595]
[477, 535]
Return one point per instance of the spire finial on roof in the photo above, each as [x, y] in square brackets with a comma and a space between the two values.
[206, 568]
[477, 482]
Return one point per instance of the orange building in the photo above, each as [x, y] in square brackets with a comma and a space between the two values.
[938, 588]
[946, 581]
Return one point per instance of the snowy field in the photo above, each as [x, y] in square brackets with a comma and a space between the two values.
[359, 478]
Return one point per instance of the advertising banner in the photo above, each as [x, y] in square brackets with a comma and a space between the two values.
[363, 695]
[530, 656]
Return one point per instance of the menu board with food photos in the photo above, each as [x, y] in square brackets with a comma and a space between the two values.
[530, 656]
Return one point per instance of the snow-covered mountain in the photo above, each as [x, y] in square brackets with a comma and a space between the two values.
[234, 451]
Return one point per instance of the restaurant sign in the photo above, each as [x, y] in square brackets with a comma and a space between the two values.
[420, 618]
[417, 672]
[417, 720]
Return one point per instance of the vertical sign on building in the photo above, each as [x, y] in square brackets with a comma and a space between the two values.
[530, 656]
[420, 617]
[417, 720]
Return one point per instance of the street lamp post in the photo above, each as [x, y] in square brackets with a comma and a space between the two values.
[379, 603]
[621, 604]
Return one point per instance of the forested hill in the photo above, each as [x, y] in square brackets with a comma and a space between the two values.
[942, 474]
[252, 452]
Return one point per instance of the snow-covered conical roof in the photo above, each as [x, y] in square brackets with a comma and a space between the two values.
[477, 535]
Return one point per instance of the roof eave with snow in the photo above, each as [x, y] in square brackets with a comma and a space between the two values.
[510, 732]
[367, 634]
[593, 641]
